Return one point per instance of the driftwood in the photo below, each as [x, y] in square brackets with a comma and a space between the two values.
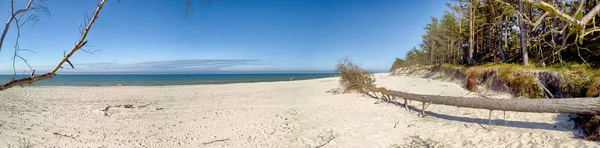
[564, 105]
[220, 140]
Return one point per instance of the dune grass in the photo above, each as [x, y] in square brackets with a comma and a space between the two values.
[562, 81]
[526, 81]
[529, 81]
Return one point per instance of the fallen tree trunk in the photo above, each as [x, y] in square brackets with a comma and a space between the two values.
[564, 105]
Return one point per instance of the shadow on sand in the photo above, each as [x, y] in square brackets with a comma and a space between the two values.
[563, 124]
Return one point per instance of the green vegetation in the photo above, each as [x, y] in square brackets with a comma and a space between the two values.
[481, 32]
[531, 82]
[531, 48]
[397, 64]
[527, 81]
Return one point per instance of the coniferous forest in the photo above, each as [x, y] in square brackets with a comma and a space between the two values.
[529, 32]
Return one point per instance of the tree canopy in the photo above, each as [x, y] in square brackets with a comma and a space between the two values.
[540, 33]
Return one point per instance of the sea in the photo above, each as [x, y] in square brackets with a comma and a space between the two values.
[165, 79]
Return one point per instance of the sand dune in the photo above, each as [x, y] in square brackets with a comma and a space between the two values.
[272, 114]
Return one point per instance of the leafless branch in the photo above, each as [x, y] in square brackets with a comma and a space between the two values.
[82, 41]
[579, 54]
[580, 24]
[539, 21]
[189, 5]
[28, 50]
[32, 17]
[220, 140]
[12, 17]
[89, 51]
[40, 6]
[591, 30]
[17, 49]
[18, 19]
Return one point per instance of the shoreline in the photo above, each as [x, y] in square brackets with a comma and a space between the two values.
[168, 80]
[265, 114]
[177, 85]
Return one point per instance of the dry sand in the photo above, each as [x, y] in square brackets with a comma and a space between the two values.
[271, 114]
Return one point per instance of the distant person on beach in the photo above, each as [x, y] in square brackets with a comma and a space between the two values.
[291, 78]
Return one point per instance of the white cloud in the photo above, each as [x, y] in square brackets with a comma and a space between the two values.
[176, 66]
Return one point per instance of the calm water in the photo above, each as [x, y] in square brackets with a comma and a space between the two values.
[163, 79]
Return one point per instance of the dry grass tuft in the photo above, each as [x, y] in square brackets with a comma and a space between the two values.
[575, 83]
[535, 82]
[354, 78]
[588, 126]
[453, 71]
[594, 88]
[525, 83]
[593, 128]
[519, 81]
[472, 77]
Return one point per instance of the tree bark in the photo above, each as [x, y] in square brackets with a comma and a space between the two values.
[82, 41]
[578, 23]
[563, 24]
[450, 56]
[508, 32]
[523, 32]
[555, 26]
[460, 16]
[499, 36]
[471, 34]
[565, 105]
[432, 56]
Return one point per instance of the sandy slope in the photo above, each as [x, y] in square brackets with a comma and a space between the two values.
[274, 114]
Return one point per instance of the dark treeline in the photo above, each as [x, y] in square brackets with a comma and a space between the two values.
[528, 32]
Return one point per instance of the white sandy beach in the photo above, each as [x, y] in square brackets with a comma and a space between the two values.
[270, 114]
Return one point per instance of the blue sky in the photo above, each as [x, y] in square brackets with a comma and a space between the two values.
[266, 35]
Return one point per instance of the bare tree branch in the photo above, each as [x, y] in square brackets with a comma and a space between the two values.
[591, 30]
[17, 49]
[32, 17]
[11, 18]
[539, 21]
[579, 24]
[82, 41]
[189, 6]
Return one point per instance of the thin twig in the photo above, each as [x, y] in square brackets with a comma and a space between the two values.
[545, 89]
[326, 139]
[220, 140]
[79, 45]
[12, 17]
[63, 135]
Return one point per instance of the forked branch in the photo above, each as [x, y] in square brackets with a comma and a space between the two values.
[12, 17]
[82, 41]
[580, 24]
